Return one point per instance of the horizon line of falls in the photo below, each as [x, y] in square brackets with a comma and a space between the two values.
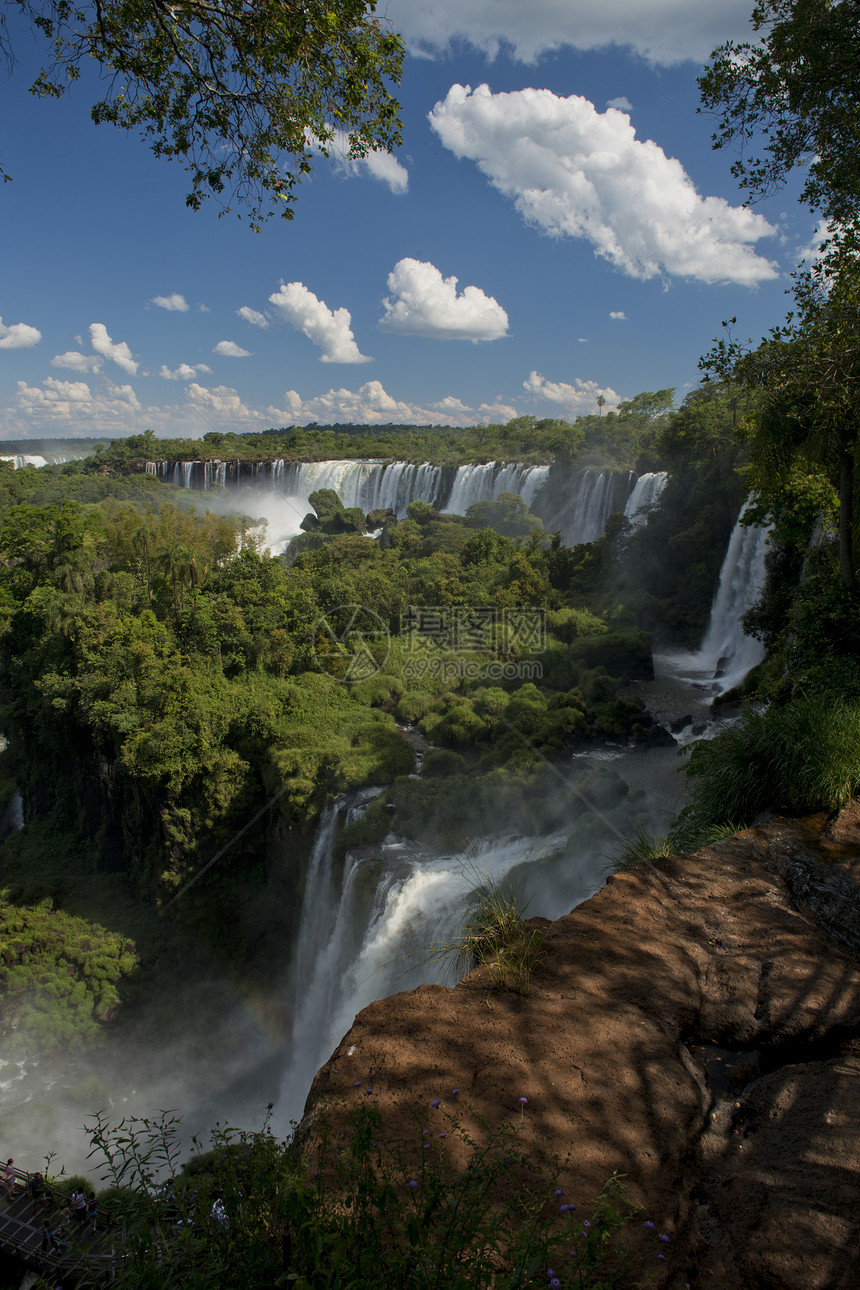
[279, 490]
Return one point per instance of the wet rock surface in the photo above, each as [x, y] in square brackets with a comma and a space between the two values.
[695, 1026]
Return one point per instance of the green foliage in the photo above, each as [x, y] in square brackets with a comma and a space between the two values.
[375, 1213]
[241, 94]
[794, 89]
[801, 756]
[58, 975]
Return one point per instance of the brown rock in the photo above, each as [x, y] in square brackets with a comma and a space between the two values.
[689, 1027]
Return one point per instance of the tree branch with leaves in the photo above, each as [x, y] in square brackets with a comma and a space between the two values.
[243, 93]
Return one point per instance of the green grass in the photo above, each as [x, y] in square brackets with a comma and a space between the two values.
[494, 937]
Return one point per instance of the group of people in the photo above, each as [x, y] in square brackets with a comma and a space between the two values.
[82, 1208]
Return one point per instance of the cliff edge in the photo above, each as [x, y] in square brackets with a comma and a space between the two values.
[694, 1026]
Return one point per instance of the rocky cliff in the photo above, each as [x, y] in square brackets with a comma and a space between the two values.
[694, 1026]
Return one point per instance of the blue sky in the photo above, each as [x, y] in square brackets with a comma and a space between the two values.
[596, 249]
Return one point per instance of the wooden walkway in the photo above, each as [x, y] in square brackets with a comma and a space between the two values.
[77, 1246]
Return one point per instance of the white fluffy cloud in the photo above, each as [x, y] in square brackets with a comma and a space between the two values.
[618, 314]
[329, 331]
[577, 400]
[175, 303]
[184, 372]
[576, 172]
[373, 405]
[19, 336]
[229, 349]
[77, 362]
[72, 406]
[621, 104]
[224, 402]
[116, 351]
[663, 31]
[252, 316]
[423, 303]
[377, 163]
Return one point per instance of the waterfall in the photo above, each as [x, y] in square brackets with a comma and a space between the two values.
[594, 496]
[20, 459]
[725, 651]
[381, 932]
[646, 493]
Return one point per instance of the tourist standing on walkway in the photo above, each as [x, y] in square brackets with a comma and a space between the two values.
[9, 1178]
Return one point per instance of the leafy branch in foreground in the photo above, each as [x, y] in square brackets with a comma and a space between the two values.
[242, 92]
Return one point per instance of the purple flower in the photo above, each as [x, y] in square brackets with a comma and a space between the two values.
[550, 1274]
[648, 1225]
[424, 1132]
[454, 1092]
[566, 1209]
[426, 1146]
[368, 1090]
[357, 1084]
[412, 1184]
[558, 1192]
[443, 1135]
[585, 1223]
[661, 1258]
[523, 1101]
[664, 1238]
[555, 1284]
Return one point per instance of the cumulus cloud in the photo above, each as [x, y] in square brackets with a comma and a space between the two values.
[663, 31]
[328, 330]
[19, 336]
[618, 314]
[229, 349]
[377, 163]
[76, 362]
[423, 303]
[811, 252]
[621, 104]
[115, 351]
[225, 402]
[252, 316]
[573, 171]
[577, 399]
[184, 372]
[370, 404]
[175, 303]
[72, 406]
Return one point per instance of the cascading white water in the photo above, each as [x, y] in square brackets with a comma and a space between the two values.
[377, 934]
[646, 494]
[21, 459]
[595, 494]
[726, 652]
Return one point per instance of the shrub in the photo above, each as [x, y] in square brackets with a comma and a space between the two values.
[804, 756]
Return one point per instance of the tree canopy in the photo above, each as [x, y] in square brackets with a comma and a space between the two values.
[795, 90]
[241, 92]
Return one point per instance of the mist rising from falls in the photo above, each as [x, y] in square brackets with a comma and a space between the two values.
[577, 503]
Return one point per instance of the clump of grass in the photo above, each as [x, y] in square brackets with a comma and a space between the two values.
[641, 846]
[494, 936]
[801, 756]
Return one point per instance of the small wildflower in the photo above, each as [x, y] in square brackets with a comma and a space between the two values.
[566, 1209]
[585, 1223]
[443, 1135]
[426, 1146]
[664, 1238]
[357, 1084]
[661, 1258]
[549, 1274]
[555, 1284]
[424, 1132]
[454, 1092]
[436, 1101]
[558, 1192]
[368, 1090]
[412, 1184]
[648, 1225]
[523, 1101]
